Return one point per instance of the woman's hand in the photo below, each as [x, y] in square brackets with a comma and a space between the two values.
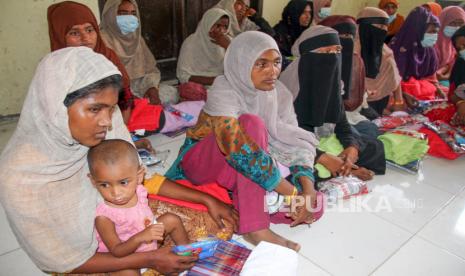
[220, 211]
[301, 214]
[144, 144]
[332, 163]
[350, 157]
[153, 96]
[166, 262]
[459, 117]
[219, 38]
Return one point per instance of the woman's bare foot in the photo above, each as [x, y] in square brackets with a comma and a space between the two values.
[270, 236]
[363, 174]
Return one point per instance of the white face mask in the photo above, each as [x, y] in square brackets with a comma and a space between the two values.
[462, 54]
[429, 40]
[392, 18]
[325, 12]
[449, 31]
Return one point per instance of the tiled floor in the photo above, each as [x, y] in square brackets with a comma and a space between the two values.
[408, 225]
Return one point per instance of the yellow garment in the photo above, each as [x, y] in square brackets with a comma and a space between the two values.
[154, 184]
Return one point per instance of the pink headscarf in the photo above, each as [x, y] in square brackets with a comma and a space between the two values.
[317, 5]
[444, 48]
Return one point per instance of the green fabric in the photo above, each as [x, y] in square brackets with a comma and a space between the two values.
[403, 149]
[330, 145]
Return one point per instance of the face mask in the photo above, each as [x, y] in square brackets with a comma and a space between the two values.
[127, 23]
[449, 31]
[325, 12]
[392, 18]
[429, 40]
[462, 54]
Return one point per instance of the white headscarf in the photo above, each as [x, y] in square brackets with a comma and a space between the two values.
[247, 24]
[234, 94]
[131, 49]
[199, 56]
[48, 199]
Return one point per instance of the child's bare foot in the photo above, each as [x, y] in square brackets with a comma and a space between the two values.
[270, 236]
[363, 173]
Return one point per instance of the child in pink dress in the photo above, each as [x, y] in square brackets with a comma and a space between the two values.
[124, 222]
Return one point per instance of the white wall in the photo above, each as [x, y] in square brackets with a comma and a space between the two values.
[24, 41]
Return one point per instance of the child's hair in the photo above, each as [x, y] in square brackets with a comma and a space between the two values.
[111, 152]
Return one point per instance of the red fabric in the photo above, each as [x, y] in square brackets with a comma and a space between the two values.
[212, 189]
[192, 91]
[420, 89]
[437, 147]
[145, 116]
[441, 114]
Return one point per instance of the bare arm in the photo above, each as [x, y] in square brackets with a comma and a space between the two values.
[163, 260]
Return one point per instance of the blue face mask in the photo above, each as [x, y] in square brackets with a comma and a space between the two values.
[449, 31]
[127, 23]
[429, 40]
[325, 12]
[392, 18]
[462, 54]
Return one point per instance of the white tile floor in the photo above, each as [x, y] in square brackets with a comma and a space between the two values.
[423, 233]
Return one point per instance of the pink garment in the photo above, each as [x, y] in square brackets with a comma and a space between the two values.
[204, 163]
[192, 91]
[444, 48]
[128, 221]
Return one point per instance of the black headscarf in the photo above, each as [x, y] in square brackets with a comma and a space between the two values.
[344, 25]
[457, 75]
[371, 41]
[319, 100]
[289, 28]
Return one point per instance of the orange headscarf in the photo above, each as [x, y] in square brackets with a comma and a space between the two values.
[63, 16]
[395, 25]
[435, 8]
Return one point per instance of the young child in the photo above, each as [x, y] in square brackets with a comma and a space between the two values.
[124, 221]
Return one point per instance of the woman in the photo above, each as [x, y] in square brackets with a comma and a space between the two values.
[243, 18]
[395, 20]
[415, 56]
[121, 31]
[433, 7]
[296, 17]
[314, 80]
[451, 19]
[382, 76]
[457, 78]
[45, 191]
[352, 75]
[321, 10]
[74, 24]
[201, 57]
[247, 122]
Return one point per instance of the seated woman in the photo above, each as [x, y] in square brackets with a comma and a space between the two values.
[244, 18]
[247, 122]
[395, 20]
[415, 56]
[319, 107]
[457, 78]
[352, 75]
[48, 198]
[433, 7]
[201, 57]
[451, 19]
[121, 31]
[73, 24]
[296, 17]
[382, 76]
[321, 10]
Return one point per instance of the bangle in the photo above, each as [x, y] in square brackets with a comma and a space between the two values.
[400, 102]
[288, 198]
[459, 102]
